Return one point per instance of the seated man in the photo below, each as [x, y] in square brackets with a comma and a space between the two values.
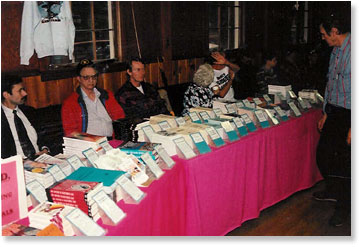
[139, 99]
[90, 109]
[266, 74]
[224, 72]
[19, 123]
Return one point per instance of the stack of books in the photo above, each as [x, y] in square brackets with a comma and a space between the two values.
[47, 213]
[78, 142]
[283, 90]
[106, 177]
[77, 194]
[139, 148]
[38, 171]
[162, 117]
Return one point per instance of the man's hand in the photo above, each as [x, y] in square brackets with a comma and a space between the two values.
[322, 121]
[349, 137]
[44, 151]
[220, 59]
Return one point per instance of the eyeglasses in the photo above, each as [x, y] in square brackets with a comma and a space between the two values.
[87, 77]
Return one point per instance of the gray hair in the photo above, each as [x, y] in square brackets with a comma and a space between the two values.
[204, 75]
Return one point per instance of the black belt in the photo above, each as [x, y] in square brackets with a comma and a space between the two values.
[333, 109]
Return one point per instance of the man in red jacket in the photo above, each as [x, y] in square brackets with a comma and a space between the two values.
[90, 109]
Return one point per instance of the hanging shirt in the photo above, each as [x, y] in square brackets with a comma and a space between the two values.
[47, 28]
[31, 132]
[338, 89]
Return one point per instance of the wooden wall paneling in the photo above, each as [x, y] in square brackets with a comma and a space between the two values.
[65, 88]
[52, 92]
[155, 77]
[174, 72]
[182, 77]
[147, 73]
[30, 85]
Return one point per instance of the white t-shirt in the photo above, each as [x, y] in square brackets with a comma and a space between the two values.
[221, 78]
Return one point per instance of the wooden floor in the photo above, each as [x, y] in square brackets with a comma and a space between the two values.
[298, 215]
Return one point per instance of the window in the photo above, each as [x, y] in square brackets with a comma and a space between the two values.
[94, 36]
[224, 25]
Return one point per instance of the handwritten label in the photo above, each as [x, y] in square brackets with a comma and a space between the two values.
[180, 121]
[217, 111]
[75, 162]
[204, 115]
[194, 117]
[84, 223]
[130, 188]
[106, 146]
[57, 173]
[109, 207]
[37, 191]
[164, 155]
[91, 155]
[155, 169]
[186, 150]
[164, 125]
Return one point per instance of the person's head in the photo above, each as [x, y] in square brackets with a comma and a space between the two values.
[13, 92]
[136, 71]
[87, 74]
[333, 29]
[204, 75]
[270, 59]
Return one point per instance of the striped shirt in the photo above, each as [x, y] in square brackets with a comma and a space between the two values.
[338, 89]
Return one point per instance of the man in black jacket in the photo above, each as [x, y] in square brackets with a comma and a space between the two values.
[19, 127]
[139, 99]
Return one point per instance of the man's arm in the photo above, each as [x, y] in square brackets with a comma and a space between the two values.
[222, 92]
[321, 121]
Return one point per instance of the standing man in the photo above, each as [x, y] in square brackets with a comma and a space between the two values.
[19, 123]
[334, 150]
[224, 72]
[90, 109]
[139, 99]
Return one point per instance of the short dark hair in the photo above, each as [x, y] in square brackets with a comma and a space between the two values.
[8, 82]
[340, 21]
[269, 55]
[133, 59]
[85, 63]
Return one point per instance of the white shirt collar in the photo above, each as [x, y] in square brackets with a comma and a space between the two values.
[84, 95]
[8, 111]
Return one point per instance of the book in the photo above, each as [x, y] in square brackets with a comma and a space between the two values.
[80, 137]
[47, 213]
[39, 171]
[75, 188]
[16, 229]
[106, 177]
[139, 148]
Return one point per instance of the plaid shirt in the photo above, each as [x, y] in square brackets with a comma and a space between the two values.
[338, 89]
[139, 105]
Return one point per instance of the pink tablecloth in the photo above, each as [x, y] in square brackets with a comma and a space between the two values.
[234, 183]
[214, 193]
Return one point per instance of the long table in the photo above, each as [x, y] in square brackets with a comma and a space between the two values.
[215, 193]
